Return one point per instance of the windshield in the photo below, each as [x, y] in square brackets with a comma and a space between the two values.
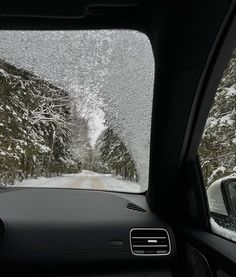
[75, 109]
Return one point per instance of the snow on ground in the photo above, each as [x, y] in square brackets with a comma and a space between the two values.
[84, 180]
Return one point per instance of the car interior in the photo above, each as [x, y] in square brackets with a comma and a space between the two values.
[66, 232]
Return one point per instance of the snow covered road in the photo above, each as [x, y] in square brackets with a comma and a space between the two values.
[84, 180]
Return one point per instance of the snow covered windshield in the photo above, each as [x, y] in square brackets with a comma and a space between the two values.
[75, 109]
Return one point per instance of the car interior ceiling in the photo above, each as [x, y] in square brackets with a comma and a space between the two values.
[191, 42]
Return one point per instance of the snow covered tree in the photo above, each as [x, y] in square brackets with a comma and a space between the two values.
[113, 156]
[35, 127]
[217, 151]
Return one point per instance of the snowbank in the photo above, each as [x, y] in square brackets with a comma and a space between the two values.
[84, 180]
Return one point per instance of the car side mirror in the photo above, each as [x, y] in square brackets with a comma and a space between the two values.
[230, 187]
[222, 202]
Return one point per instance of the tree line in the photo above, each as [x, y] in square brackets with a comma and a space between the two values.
[112, 156]
[35, 127]
[42, 133]
[217, 151]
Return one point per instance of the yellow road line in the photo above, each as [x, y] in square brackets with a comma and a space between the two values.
[97, 183]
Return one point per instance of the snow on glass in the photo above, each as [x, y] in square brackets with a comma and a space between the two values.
[75, 109]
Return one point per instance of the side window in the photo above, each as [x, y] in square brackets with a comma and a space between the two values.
[217, 153]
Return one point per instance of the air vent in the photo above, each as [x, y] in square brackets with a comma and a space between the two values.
[134, 207]
[150, 242]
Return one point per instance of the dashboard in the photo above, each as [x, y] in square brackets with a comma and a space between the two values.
[80, 226]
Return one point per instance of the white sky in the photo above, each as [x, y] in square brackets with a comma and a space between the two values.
[96, 126]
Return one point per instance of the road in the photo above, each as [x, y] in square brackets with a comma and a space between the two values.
[89, 180]
[84, 180]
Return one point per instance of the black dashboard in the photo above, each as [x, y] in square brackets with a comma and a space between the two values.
[77, 226]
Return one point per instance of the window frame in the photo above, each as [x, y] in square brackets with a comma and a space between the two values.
[218, 59]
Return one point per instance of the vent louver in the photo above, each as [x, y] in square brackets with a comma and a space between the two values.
[134, 207]
[150, 242]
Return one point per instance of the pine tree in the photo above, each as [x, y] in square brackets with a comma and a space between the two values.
[113, 156]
